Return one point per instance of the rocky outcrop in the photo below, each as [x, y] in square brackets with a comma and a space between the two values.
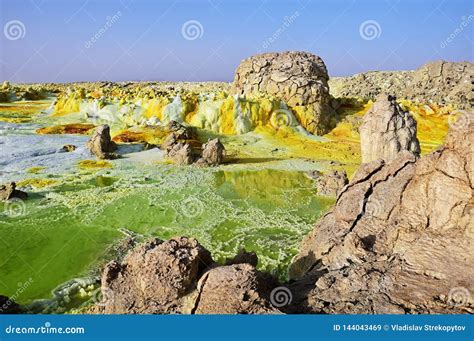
[101, 145]
[399, 239]
[181, 153]
[179, 276]
[8, 191]
[329, 184]
[298, 78]
[440, 82]
[234, 289]
[213, 153]
[387, 130]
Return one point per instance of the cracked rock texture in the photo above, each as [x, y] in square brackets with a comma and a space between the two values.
[213, 153]
[298, 78]
[101, 145]
[178, 276]
[386, 130]
[440, 82]
[399, 239]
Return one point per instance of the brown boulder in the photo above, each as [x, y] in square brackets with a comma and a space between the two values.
[297, 78]
[331, 183]
[154, 278]
[233, 289]
[213, 153]
[101, 145]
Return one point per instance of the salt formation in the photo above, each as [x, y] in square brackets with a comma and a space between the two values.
[387, 130]
[298, 78]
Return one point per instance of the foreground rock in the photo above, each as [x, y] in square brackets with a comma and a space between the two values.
[331, 183]
[213, 153]
[8, 191]
[439, 82]
[399, 239]
[298, 78]
[179, 276]
[387, 130]
[101, 145]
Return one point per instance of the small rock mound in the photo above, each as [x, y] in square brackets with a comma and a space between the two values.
[8, 192]
[234, 289]
[213, 153]
[298, 78]
[101, 145]
[8, 306]
[387, 130]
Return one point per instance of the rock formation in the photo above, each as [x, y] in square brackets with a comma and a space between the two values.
[181, 153]
[213, 153]
[101, 145]
[387, 130]
[298, 78]
[329, 184]
[399, 239]
[8, 191]
[440, 82]
[179, 276]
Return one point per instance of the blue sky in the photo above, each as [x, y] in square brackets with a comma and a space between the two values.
[52, 40]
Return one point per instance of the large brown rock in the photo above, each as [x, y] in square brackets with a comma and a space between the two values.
[213, 153]
[154, 278]
[101, 145]
[387, 130]
[298, 78]
[399, 238]
[330, 183]
[234, 289]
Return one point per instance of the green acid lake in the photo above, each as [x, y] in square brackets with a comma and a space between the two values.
[66, 231]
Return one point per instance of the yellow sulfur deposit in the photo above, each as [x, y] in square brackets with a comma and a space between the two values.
[37, 183]
[92, 164]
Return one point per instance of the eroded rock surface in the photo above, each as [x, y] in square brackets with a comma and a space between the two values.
[179, 276]
[387, 130]
[439, 82]
[213, 153]
[101, 145]
[399, 239]
[8, 191]
[298, 78]
[234, 289]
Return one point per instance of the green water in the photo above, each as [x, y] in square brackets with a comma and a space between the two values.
[64, 232]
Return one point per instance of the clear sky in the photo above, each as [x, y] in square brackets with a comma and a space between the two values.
[200, 40]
